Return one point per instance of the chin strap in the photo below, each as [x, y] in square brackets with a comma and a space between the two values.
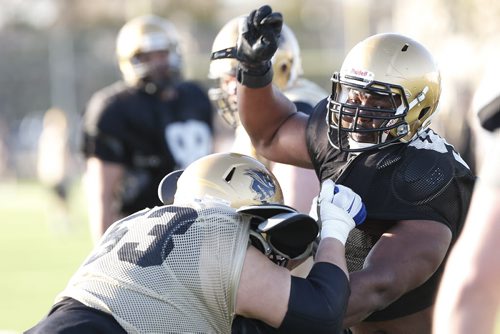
[224, 54]
[419, 98]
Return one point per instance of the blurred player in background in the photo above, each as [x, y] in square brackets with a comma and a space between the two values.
[149, 123]
[54, 165]
[157, 271]
[299, 185]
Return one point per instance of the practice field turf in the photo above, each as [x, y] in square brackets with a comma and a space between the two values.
[39, 251]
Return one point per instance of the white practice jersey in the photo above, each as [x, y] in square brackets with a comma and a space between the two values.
[170, 269]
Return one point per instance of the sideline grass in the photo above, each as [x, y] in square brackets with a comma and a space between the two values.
[37, 254]
[38, 251]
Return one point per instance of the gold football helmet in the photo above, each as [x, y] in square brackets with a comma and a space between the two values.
[143, 35]
[391, 68]
[236, 180]
[287, 67]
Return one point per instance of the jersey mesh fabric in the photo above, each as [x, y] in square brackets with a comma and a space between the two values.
[425, 179]
[167, 270]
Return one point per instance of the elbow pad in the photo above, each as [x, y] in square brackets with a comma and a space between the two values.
[318, 303]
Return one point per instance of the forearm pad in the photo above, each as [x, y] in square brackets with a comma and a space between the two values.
[318, 303]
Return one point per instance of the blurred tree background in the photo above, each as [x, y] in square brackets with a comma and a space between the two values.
[56, 53]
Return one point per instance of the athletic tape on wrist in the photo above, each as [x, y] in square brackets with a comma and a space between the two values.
[254, 81]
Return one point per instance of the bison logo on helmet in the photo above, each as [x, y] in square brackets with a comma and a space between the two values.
[262, 184]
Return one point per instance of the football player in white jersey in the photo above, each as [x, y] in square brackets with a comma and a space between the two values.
[216, 254]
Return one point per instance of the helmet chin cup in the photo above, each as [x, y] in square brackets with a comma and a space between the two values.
[358, 146]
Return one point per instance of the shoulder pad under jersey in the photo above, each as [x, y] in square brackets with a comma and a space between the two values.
[422, 175]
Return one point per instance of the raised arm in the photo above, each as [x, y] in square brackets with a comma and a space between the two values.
[277, 130]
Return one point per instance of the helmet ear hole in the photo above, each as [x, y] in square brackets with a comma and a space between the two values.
[423, 112]
[229, 175]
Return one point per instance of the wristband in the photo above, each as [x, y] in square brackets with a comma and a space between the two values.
[254, 81]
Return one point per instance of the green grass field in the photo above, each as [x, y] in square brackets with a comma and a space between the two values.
[39, 251]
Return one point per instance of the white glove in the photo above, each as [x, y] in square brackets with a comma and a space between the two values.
[341, 209]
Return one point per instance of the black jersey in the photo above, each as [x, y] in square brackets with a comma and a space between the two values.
[149, 136]
[423, 179]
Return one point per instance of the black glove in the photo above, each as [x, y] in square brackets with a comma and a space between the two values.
[256, 46]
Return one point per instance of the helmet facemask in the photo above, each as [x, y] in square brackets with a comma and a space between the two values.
[224, 98]
[365, 127]
[282, 237]
[276, 252]
[148, 53]
[154, 71]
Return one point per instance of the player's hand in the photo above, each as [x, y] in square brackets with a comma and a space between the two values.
[340, 210]
[258, 40]
[344, 198]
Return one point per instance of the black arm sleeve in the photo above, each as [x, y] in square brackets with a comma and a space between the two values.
[318, 303]
[242, 325]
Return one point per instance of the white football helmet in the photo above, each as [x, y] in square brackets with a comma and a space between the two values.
[287, 67]
[231, 178]
[394, 68]
[143, 35]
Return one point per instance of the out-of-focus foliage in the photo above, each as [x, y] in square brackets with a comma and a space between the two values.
[58, 52]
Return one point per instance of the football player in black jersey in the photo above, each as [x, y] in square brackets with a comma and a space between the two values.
[218, 250]
[138, 128]
[469, 296]
[372, 135]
